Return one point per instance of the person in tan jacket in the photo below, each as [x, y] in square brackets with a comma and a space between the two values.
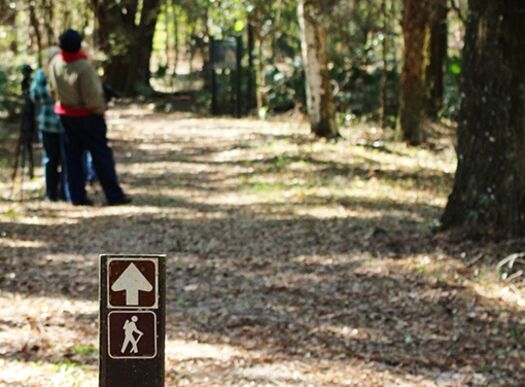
[81, 105]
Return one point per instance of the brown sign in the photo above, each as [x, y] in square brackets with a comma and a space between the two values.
[132, 335]
[132, 320]
[132, 283]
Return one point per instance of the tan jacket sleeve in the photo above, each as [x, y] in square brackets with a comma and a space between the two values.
[51, 80]
[91, 90]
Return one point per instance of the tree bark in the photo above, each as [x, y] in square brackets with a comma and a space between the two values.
[489, 186]
[167, 42]
[412, 97]
[384, 69]
[437, 53]
[48, 22]
[127, 43]
[259, 76]
[36, 28]
[319, 99]
[176, 39]
[251, 87]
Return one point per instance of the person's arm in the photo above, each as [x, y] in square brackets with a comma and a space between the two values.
[51, 82]
[91, 90]
[35, 91]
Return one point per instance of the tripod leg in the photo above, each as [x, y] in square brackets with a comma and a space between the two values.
[22, 186]
[17, 157]
[16, 165]
[23, 156]
[31, 160]
[22, 167]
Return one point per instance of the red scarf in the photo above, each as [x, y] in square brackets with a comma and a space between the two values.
[69, 57]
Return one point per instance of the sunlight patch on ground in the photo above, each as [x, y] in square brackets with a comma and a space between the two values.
[507, 293]
[63, 257]
[322, 372]
[8, 242]
[127, 211]
[275, 373]
[42, 220]
[181, 350]
[36, 328]
[26, 305]
[163, 169]
[38, 374]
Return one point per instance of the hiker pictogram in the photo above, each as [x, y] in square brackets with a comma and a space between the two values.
[132, 335]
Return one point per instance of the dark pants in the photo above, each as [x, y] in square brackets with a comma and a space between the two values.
[89, 133]
[52, 162]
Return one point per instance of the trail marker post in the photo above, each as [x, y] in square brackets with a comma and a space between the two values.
[132, 320]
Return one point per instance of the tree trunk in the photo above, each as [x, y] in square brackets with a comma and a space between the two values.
[251, 87]
[36, 28]
[127, 43]
[437, 52]
[489, 186]
[48, 22]
[167, 20]
[319, 99]
[176, 40]
[412, 97]
[193, 48]
[384, 70]
[260, 76]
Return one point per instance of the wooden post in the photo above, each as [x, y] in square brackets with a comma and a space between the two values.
[132, 320]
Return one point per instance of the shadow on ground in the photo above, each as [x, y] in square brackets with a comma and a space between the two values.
[265, 277]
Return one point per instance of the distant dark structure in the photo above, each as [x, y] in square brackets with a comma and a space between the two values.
[225, 59]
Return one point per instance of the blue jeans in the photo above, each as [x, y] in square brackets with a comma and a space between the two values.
[89, 133]
[89, 170]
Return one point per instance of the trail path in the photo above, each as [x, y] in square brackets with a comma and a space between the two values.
[291, 262]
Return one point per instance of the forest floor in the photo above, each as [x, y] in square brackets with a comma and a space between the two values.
[290, 262]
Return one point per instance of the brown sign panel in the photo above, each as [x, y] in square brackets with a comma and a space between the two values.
[132, 283]
[132, 320]
[132, 335]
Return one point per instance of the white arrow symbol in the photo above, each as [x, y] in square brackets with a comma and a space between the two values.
[132, 280]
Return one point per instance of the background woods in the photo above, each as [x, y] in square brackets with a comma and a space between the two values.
[341, 62]
[165, 43]
[338, 185]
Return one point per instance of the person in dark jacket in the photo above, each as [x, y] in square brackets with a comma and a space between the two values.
[48, 123]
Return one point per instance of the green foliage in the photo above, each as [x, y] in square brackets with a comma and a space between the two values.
[451, 97]
[11, 63]
[11, 99]
[356, 32]
[358, 89]
[83, 349]
[285, 86]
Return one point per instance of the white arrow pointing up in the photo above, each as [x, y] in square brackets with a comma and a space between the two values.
[132, 281]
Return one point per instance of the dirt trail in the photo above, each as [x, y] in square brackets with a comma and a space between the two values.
[291, 262]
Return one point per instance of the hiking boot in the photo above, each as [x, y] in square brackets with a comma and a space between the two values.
[85, 202]
[125, 199]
